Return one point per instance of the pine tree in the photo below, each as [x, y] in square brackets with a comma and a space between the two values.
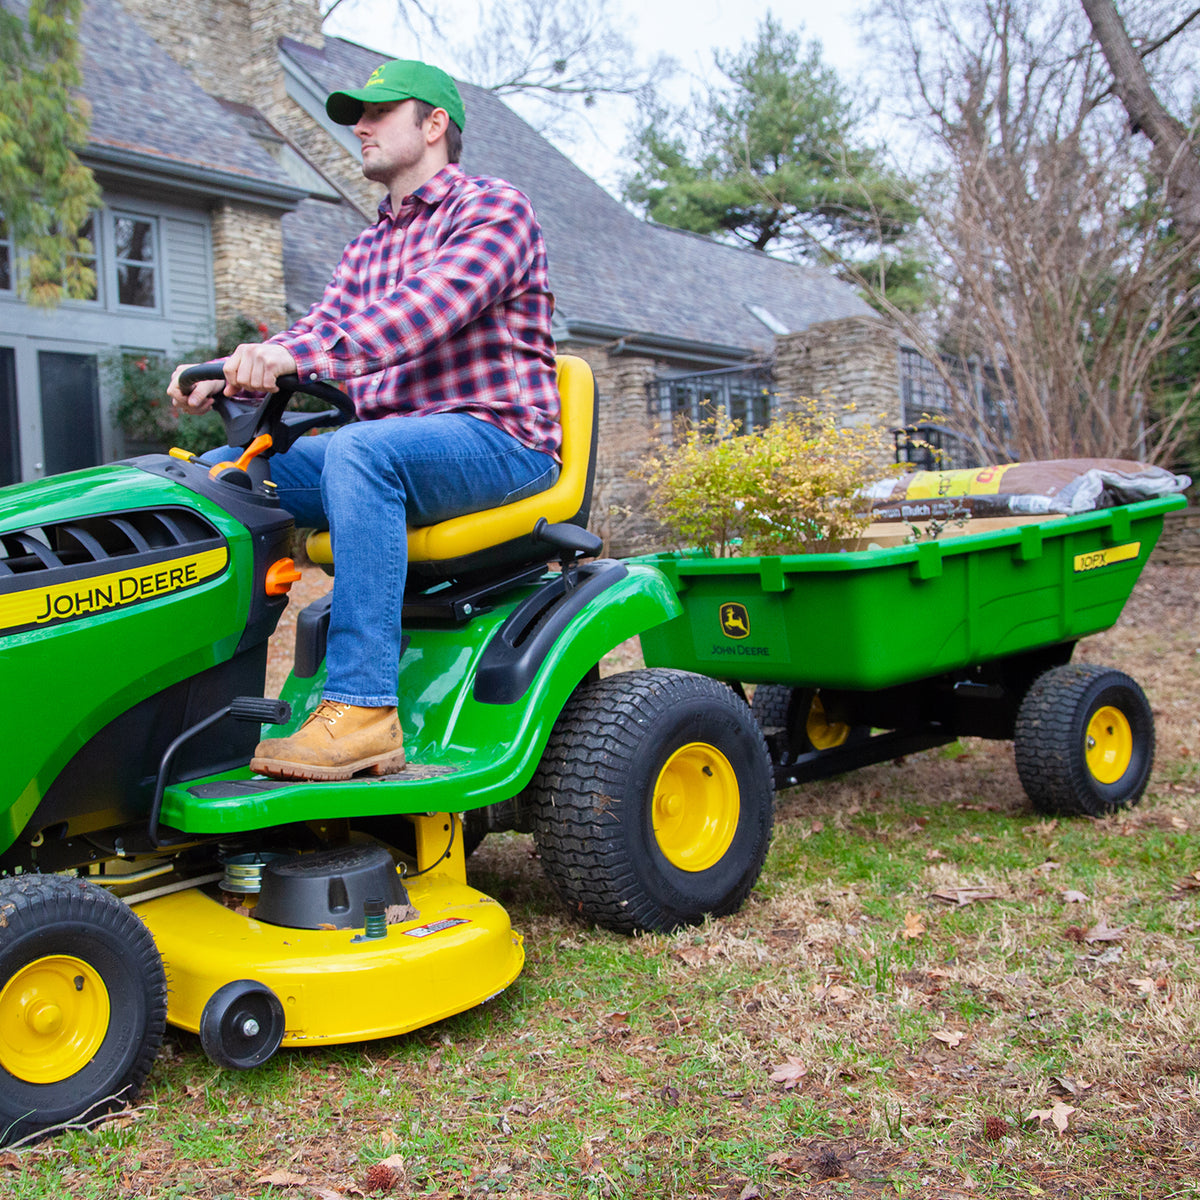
[772, 158]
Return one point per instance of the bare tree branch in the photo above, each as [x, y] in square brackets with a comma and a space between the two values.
[1175, 155]
[1063, 280]
[1145, 50]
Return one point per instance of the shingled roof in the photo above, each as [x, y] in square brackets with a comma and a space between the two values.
[151, 119]
[613, 274]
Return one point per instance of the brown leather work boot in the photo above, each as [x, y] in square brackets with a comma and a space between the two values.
[337, 741]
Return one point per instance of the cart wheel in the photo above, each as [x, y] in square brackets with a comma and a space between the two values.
[83, 1003]
[1084, 741]
[242, 1025]
[800, 717]
[654, 801]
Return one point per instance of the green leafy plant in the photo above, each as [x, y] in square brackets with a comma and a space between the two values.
[142, 411]
[46, 192]
[787, 489]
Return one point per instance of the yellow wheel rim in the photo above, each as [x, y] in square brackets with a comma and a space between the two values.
[823, 733]
[696, 806]
[1108, 744]
[54, 1014]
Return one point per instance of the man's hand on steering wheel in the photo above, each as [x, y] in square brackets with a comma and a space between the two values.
[255, 366]
[247, 418]
[199, 398]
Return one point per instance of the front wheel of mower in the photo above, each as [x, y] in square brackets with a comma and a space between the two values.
[83, 1003]
[1084, 741]
[654, 801]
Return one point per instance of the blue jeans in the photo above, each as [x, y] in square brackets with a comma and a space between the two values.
[367, 482]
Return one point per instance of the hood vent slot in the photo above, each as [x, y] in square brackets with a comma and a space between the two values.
[69, 545]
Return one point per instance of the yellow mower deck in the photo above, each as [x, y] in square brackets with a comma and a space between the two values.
[336, 985]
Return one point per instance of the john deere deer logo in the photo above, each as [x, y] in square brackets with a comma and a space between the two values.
[735, 621]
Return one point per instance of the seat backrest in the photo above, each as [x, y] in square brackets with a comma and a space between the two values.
[500, 537]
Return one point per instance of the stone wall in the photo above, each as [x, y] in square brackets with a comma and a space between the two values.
[626, 433]
[229, 46]
[852, 361]
[1179, 545]
[248, 265]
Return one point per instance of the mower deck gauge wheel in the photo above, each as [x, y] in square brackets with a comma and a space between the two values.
[242, 1025]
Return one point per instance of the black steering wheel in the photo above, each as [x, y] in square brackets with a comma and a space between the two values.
[245, 420]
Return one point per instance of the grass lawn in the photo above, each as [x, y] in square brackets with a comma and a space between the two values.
[933, 992]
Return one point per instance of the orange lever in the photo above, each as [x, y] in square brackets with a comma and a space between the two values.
[281, 574]
[252, 451]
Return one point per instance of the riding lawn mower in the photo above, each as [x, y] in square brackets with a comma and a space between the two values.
[148, 876]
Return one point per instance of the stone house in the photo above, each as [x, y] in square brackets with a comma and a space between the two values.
[227, 192]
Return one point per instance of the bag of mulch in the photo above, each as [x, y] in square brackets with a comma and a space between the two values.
[1061, 485]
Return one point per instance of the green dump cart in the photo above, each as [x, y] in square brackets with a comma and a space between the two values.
[863, 656]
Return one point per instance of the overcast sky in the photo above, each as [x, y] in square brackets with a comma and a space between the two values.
[687, 30]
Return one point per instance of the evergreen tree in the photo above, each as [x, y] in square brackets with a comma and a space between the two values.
[772, 158]
[46, 193]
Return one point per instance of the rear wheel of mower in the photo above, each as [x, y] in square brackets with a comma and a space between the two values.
[1084, 741]
[654, 801]
[83, 1003]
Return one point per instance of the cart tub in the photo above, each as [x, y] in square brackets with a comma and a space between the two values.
[876, 618]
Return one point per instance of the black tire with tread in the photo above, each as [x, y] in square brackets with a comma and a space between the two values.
[1049, 743]
[49, 915]
[771, 706]
[592, 797]
[784, 710]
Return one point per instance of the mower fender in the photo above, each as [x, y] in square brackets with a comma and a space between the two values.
[464, 752]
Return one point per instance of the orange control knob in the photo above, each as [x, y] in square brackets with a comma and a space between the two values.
[252, 451]
[280, 577]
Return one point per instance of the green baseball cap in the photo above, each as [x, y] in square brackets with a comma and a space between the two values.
[400, 79]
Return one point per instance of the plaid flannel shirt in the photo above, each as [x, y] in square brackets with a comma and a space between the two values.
[442, 307]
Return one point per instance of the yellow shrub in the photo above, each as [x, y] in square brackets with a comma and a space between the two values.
[787, 489]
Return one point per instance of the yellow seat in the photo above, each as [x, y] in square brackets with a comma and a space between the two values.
[452, 547]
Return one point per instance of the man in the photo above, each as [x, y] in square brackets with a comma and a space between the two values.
[437, 322]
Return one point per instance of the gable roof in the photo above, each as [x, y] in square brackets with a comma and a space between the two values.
[152, 122]
[613, 274]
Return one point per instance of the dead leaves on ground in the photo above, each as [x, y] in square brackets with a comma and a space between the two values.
[282, 1178]
[1099, 932]
[1057, 1116]
[789, 1073]
[950, 1037]
[961, 896]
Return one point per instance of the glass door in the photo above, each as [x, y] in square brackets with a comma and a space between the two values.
[10, 442]
[70, 391]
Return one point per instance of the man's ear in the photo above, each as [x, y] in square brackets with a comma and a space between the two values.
[436, 125]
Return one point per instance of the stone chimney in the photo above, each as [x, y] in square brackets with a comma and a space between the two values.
[229, 46]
